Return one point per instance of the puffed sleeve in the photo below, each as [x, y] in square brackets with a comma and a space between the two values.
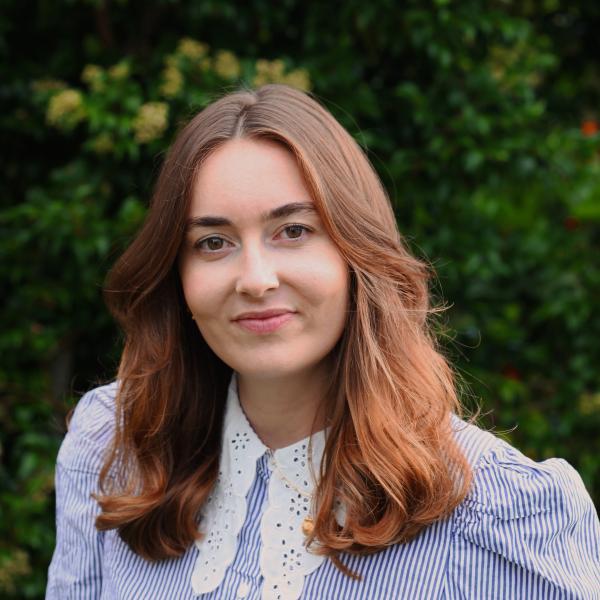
[75, 572]
[526, 531]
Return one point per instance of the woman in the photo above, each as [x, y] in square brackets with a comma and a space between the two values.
[282, 425]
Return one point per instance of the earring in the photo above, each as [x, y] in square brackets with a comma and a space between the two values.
[191, 314]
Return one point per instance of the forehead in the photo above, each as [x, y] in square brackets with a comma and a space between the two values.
[244, 177]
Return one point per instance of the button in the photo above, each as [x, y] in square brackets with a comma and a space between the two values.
[243, 589]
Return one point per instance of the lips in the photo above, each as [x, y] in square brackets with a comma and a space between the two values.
[266, 324]
[263, 314]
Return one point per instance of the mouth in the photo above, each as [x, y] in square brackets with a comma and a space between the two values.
[265, 325]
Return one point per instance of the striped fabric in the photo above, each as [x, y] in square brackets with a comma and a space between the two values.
[526, 531]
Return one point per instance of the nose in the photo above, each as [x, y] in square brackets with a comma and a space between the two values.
[257, 273]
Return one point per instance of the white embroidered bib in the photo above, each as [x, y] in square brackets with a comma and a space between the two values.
[284, 560]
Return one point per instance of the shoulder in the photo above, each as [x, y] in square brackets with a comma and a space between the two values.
[535, 518]
[90, 430]
[508, 484]
[473, 441]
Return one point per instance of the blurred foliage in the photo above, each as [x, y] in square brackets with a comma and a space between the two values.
[480, 117]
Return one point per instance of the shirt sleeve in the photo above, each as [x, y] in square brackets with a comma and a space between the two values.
[526, 531]
[75, 572]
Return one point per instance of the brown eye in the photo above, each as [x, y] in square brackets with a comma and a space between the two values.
[211, 244]
[296, 231]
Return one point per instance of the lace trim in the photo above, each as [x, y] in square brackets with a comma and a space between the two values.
[225, 509]
[284, 560]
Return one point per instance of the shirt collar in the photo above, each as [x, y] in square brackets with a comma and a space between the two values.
[239, 436]
[290, 488]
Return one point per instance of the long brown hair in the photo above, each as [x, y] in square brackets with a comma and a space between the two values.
[390, 456]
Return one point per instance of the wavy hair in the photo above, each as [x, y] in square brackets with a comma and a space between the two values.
[390, 456]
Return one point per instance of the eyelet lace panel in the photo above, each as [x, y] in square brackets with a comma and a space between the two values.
[225, 509]
[284, 560]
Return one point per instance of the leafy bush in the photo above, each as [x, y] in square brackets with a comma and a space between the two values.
[460, 106]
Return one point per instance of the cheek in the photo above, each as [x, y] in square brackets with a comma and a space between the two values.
[203, 292]
[328, 281]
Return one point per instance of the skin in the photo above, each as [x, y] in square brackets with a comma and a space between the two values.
[253, 265]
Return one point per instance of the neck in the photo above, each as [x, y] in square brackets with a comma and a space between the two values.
[284, 410]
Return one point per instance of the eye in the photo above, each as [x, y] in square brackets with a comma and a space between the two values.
[210, 244]
[296, 228]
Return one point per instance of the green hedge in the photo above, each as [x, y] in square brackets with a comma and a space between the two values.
[486, 144]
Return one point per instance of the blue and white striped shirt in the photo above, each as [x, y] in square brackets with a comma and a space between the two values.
[526, 531]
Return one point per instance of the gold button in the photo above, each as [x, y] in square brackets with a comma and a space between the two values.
[308, 526]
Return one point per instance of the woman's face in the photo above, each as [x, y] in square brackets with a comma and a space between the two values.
[257, 261]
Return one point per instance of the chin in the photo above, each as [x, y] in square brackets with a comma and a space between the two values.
[264, 372]
[268, 365]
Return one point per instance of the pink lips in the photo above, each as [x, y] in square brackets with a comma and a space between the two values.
[265, 325]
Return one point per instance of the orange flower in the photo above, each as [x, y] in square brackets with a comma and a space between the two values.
[589, 127]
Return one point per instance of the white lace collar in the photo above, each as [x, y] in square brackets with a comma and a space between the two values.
[284, 561]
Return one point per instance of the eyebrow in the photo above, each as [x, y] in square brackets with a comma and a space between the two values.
[277, 213]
